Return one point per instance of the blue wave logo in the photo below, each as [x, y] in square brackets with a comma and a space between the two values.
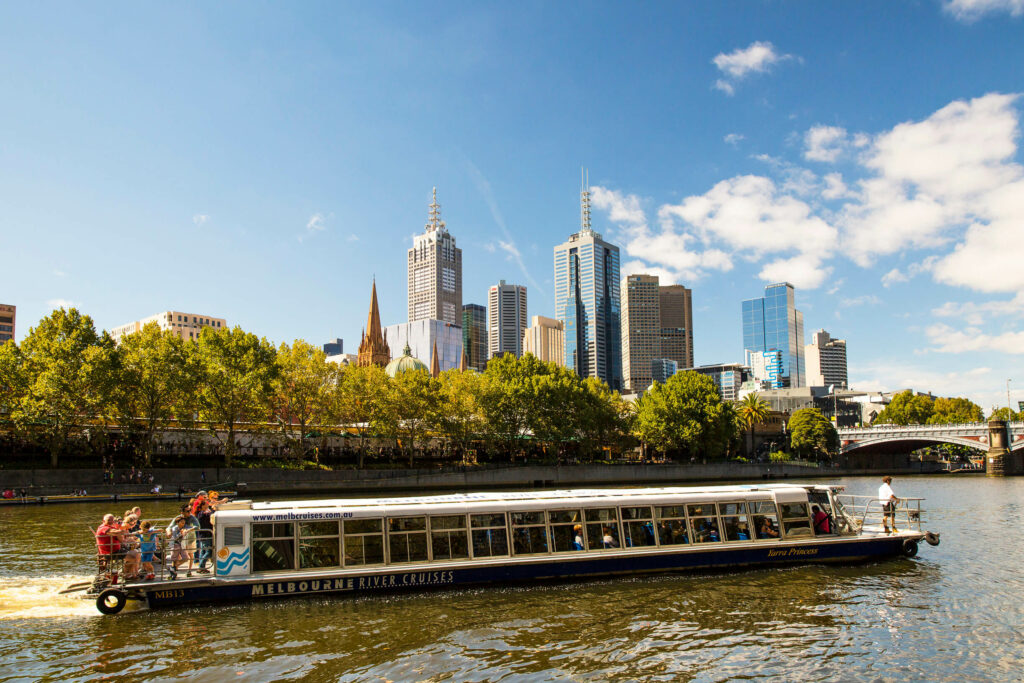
[240, 559]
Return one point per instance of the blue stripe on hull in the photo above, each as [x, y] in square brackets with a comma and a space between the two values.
[557, 567]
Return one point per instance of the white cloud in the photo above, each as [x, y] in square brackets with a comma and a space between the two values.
[59, 273]
[971, 10]
[315, 223]
[893, 276]
[623, 209]
[803, 271]
[863, 300]
[66, 304]
[824, 143]
[353, 237]
[758, 57]
[913, 270]
[975, 313]
[834, 188]
[200, 218]
[733, 139]
[950, 340]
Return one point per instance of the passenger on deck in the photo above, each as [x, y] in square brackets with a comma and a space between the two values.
[205, 515]
[149, 542]
[822, 522]
[129, 545]
[767, 529]
[108, 545]
[176, 534]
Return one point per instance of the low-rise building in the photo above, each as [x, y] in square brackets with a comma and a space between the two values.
[728, 378]
[421, 335]
[334, 348]
[185, 325]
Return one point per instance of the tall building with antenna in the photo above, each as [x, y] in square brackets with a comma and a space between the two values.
[435, 272]
[587, 300]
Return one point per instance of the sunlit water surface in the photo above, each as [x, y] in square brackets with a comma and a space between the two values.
[954, 613]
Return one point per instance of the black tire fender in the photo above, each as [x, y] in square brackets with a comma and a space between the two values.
[111, 601]
[909, 548]
[932, 538]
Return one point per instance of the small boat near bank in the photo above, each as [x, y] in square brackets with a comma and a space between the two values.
[349, 546]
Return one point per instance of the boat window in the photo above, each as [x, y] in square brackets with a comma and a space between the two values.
[638, 527]
[233, 535]
[490, 537]
[602, 528]
[566, 530]
[529, 533]
[273, 547]
[764, 520]
[448, 537]
[407, 539]
[672, 525]
[364, 542]
[319, 545]
[703, 523]
[735, 521]
[795, 521]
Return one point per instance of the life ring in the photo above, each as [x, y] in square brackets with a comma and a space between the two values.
[111, 601]
[909, 548]
[932, 538]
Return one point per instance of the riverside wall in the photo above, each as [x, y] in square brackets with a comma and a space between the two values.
[267, 482]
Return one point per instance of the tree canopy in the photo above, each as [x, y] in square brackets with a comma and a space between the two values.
[811, 435]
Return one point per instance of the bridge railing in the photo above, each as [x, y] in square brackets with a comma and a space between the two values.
[867, 511]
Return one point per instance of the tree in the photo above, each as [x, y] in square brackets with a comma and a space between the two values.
[906, 408]
[508, 398]
[811, 435]
[955, 411]
[360, 403]
[303, 387]
[752, 411]
[458, 412]
[1005, 414]
[685, 413]
[12, 378]
[604, 417]
[61, 357]
[143, 375]
[413, 399]
[236, 370]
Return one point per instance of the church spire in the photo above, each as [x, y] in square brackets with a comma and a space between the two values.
[373, 348]
[435, 363]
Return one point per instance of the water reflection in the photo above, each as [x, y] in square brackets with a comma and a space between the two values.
[953, 613]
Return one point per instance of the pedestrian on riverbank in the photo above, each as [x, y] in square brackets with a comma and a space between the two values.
[888, 499]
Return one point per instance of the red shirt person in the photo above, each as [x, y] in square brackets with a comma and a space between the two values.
[108, 536]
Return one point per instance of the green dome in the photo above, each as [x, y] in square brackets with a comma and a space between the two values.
[405, 362]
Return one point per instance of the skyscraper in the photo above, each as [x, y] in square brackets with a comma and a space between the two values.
[641, 331]
[676, 304]
[587, 301]
[435, 272]
[772, 323]
[474, 335]
[506, 319]
[826, 361]
[545, 338]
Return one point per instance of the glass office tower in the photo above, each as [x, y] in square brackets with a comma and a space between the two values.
[587, 302]
[773, 324]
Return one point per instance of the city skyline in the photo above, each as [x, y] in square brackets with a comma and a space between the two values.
[269, 185]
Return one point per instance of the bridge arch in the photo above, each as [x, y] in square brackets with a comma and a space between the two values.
[907, 443]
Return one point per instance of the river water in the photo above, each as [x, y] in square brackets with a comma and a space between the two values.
[953, 613]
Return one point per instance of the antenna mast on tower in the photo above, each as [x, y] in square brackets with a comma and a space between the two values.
[435, 215]
[584, 200]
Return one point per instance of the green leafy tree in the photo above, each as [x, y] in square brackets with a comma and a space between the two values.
[752, 411]
[458, 413]
[413, 399]
[508, 398]
[812, 436]
[143, 376]
[906, 408]
[360, 404]
[1005, 414]
[62, 356]
[604, 418]
[236, 371]
[12, 379]
[303, 390]
[685, 414]
[955, 411]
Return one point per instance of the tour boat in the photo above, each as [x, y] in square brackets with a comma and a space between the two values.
[359, 546]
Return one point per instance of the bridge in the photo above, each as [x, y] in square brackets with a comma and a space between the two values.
[884, 438]
[1001, 442]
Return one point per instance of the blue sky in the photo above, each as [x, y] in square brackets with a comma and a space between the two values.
[263, 161]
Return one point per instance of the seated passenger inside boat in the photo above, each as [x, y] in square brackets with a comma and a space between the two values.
[767, 529]
[822, 522]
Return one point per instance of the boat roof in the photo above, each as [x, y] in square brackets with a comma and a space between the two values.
[510, 496]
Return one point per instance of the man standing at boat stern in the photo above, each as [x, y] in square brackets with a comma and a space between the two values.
[888, 500]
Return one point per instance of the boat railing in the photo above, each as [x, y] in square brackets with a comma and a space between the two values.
[126, 565]
[868, 511]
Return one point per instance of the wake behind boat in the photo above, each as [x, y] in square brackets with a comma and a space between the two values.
[377, 544]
